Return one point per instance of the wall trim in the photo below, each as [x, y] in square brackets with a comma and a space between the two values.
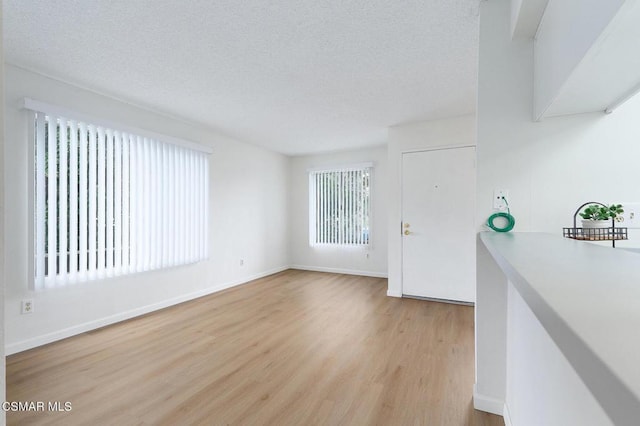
[394, 293]
[340, 271]
[506, 416]
[487, 403]
[437, 148]
[33, 342]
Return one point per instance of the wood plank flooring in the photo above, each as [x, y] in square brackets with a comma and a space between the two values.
[295, 348]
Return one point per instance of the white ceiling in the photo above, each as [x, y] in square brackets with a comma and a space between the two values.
[294, 76]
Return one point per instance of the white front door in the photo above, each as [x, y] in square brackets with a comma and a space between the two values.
[438, 231]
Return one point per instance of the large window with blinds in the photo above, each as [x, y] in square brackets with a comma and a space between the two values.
[109, 202]
[340, 206]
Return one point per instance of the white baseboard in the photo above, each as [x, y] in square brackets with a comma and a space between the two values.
[487, 403]
[340, 271]
[33, 342]
[506, 416]
[393, 293]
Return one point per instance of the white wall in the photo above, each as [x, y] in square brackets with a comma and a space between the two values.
[525, 17]
[458, 131]
[543, 388]
[549, 167]
[553, 166]
[353, 260]
[491, 333]
[567, 30]
[3, 381]
[248, 220]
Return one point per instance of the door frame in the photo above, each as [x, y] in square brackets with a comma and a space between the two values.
[410, 151]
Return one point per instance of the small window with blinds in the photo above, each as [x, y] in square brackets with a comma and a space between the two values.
[340, 206]
[109, 202]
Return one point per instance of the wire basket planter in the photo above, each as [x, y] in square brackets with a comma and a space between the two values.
[611, 233]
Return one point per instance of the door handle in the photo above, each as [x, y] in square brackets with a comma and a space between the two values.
[407, 232]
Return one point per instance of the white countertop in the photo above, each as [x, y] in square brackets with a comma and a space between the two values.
[587, 297]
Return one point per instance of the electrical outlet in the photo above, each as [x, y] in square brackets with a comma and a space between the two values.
[241, 262]
[631, 216]
[27, 306]
[499, 199]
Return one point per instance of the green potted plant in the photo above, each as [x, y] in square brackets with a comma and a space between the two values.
[597, 216]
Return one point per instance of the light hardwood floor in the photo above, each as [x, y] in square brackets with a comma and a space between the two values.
[295, 348]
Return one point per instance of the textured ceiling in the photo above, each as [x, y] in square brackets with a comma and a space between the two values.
[294, 76]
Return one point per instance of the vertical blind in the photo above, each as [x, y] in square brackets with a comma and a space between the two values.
[340, 206]
[109, 203]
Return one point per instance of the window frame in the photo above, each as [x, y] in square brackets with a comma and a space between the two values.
[312, 216]
[32, 108]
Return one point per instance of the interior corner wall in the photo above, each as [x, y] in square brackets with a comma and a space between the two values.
[370, 261]
[419, 136]
[248, 220]
[550, 167]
